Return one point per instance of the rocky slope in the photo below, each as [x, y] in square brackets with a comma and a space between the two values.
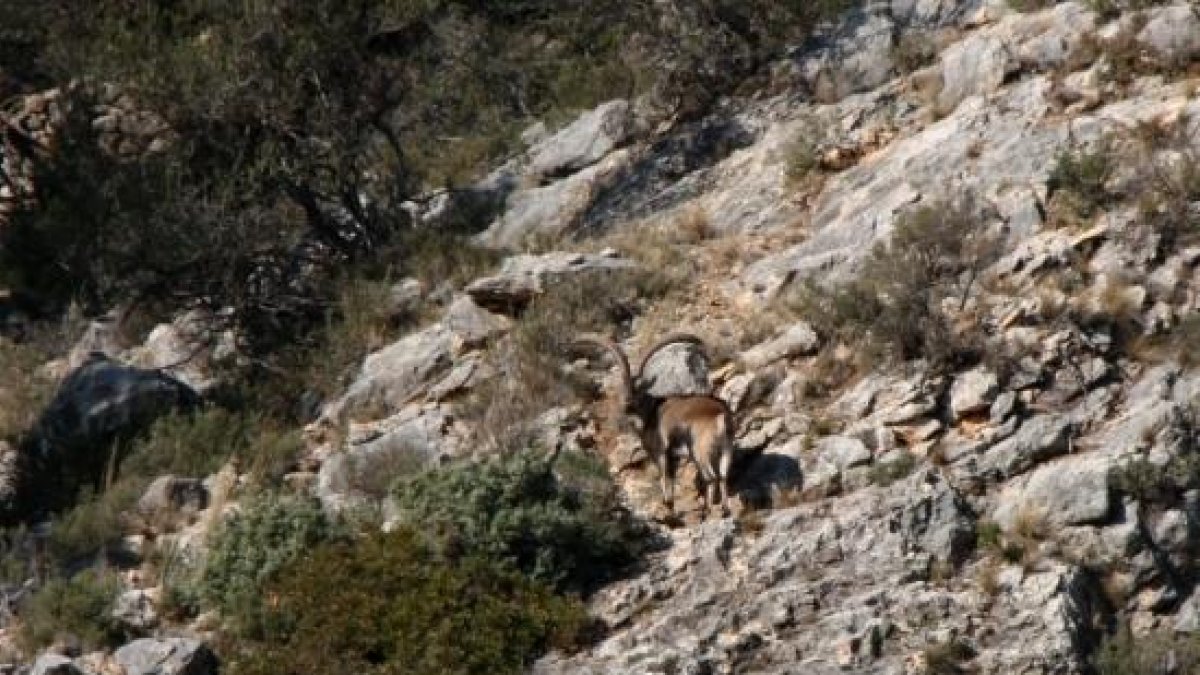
[985, 520]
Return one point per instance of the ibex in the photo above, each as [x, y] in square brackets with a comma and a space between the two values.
[700, 422]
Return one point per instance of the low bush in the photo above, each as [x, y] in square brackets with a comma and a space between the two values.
[96, 522]
[80, 607]
[563, 528]
[896, 308]
[1079, 182]
[392, 604]
[251, 548]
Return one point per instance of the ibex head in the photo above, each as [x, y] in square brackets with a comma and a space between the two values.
[635, 394]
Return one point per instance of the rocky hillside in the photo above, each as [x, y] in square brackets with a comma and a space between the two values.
[945, 260]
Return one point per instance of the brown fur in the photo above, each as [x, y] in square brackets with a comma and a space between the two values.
[701, 424]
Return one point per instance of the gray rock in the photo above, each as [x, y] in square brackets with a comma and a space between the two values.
[973, 391]
[937, 520]
[54, 664]
[405, 297]
[172, 496]
[167, 656]
[187, 348]
[135, 609]
[681, 368]
[397, 374]
[1173, 32]
[583, 142]
[798, 340]
[859, 61]
[378, 454]
[976, 65]
[843, 452]
[1038, 439]
[524, 276]
[1072, 491]
[551, 210]
[473, 325]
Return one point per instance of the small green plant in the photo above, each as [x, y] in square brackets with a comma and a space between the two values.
[947, 658]
[252, 547]
[915, 49]
[884, 474]
[559, 528]
[392, 604]
[988, 535]
[80, 606]
[94, 523]
[1080, 177]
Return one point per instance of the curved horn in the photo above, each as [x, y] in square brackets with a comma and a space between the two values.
[622, 362]
[670, 340]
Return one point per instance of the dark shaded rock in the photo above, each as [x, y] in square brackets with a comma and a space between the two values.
[97, 405]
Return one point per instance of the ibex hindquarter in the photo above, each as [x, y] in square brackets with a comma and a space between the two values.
[702, 425]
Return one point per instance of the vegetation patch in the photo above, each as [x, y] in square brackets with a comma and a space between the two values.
[896, 307]
[560, 525]
[79, 607]
[252, 548]
[392, 604]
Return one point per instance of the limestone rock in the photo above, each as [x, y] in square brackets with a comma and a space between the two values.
[1072, 491]
[799, 339]
[583, 142]
[973, 391]
[167, 656]
[135, 609]
[1173, 32]
[54, 664]
[524, 276]
[681, 368]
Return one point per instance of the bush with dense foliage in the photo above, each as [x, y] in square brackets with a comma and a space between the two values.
[80, 606]
[252, 547]
[562, 528]
[390, 604]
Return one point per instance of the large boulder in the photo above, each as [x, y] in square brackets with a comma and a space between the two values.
[522, 277]
[95, 406]
[584, 142]
[167, 656]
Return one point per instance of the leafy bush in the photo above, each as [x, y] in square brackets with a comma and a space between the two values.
[79, 606]
[252, 547]
[391, 604]
[1079, 180]
[896, 306]
[96, 522]
[564, 531]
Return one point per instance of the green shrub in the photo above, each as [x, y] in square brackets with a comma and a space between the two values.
[191, 444]
[895, 308]
[1081, 175]
[557, 529]
[391, 604]
[79, 606]
[96, 522]
[252, 547]
[886, 473]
